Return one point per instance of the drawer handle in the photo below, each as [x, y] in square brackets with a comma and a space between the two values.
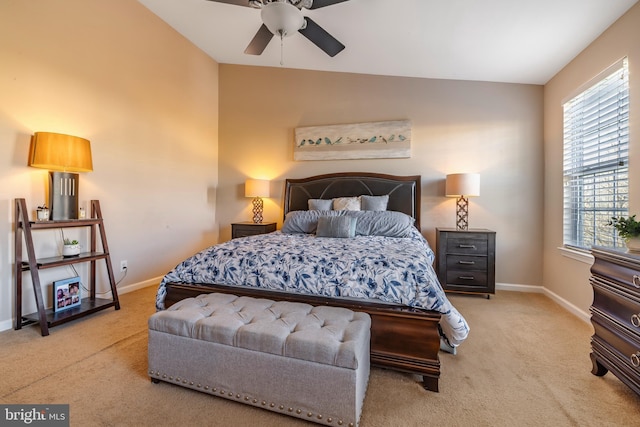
[636, 281]
[467, 262]
[635, 359]
[635, 320]
[466, 277]
[474, 246]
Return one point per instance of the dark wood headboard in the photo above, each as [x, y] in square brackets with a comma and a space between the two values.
[403, 191]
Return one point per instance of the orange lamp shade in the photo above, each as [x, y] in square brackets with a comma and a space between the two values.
[60, 152]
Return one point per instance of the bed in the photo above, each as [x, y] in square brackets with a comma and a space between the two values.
[383, 267]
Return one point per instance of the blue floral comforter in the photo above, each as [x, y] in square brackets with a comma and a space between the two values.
[392, 270]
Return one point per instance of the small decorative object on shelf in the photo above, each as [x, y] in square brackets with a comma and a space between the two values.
[629, 230]
[42, 213]
[66, 294]
[70, 248]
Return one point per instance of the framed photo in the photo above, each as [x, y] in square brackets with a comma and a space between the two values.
[66, 294]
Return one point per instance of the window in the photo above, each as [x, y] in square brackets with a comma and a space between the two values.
[596, 160]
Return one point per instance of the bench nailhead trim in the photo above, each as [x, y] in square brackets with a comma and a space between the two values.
[246, 398]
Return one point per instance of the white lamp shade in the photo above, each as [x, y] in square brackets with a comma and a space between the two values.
[282, 19]
[462, 184]
[256, 188]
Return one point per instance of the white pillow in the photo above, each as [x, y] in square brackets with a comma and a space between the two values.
[346, 204]
[374, 203]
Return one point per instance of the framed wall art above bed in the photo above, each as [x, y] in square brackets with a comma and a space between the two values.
[374, 140]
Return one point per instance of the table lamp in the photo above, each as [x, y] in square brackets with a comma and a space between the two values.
[462, 186]
[63, 155]
[257, 188]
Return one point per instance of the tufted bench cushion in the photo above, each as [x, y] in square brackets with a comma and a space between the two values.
[297, 359]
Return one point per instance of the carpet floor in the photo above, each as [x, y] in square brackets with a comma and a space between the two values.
[525, 363]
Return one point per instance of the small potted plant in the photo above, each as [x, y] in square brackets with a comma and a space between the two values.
[42, 213]
[70, 248]
[629, 230]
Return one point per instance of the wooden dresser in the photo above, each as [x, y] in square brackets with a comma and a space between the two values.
[615, 315]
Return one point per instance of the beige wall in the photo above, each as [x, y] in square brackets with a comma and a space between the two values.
[493, 129]
[146, 98]
[567, 277]
[114, 73]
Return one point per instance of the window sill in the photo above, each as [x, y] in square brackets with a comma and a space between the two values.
[578, 255]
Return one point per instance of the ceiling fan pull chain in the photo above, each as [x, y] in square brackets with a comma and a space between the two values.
[281, 49]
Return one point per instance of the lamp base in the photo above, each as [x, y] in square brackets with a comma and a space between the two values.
[257, 210]
[462, 213]
[63, 195]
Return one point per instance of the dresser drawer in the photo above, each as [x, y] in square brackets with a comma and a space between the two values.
[612, 300]
[468, 244]
[467, 278]
[464, 262]
[611, 338]
[626, 276]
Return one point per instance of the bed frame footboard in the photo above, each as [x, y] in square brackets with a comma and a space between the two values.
[402, 338]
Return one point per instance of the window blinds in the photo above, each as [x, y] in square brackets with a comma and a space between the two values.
[596, 154]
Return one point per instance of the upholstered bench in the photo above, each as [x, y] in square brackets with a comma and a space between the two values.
[292, 358]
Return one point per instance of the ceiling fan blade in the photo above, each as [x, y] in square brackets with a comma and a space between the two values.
[236, 2]
[317, 4]
[259, 42]
[321, 38]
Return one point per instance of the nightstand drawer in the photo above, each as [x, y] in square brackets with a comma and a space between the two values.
[468, 244]
[467, 263]
[467, 278]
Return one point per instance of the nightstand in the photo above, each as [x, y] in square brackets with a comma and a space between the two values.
[466, 260]
[248, 228]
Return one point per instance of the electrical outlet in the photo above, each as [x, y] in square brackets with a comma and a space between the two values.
[123, 265]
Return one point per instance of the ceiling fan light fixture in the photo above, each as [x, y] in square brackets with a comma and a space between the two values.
[282, 18]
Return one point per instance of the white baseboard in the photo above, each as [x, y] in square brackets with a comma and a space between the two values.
[8, 324]
[571, 308]
[581, 314]
[135, 286]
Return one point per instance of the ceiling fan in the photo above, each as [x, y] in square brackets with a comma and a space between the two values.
[283, 18]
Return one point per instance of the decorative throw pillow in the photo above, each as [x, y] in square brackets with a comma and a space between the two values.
[336, 226]
[346, 203]
[320, 204]
[305, 221]
[387, 223]
[374, 203]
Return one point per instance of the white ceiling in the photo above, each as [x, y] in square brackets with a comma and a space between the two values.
[516, 41]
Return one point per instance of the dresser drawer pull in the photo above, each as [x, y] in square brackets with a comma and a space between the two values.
[474, 246]
[635, 320]
[466, 277]
[635, 359]
[636, 281]
[467, 262]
